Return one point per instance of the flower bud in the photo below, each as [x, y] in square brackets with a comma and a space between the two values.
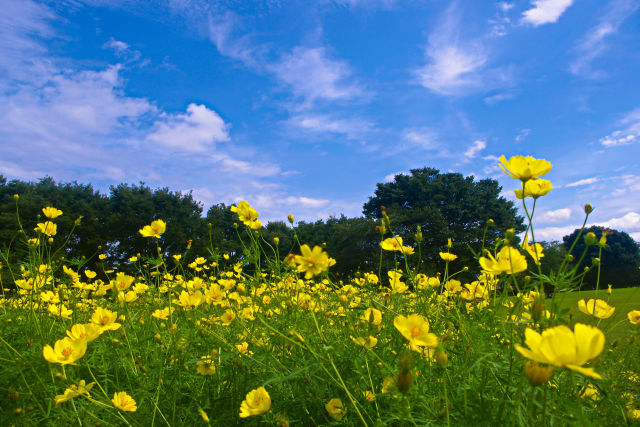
[449, 244]
[603, 240]
[537, 374]
[590, 239]
[595, 262]
[509, 234]
[442, 359]
[276, 241]
[404, 379]
[290, 218]
[588, 208]
[490, 222]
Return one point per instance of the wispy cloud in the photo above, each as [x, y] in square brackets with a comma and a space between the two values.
[545, 12]
[475, 148]
[500, 22]
[456, 66]
[522, 134]
[587, 181]
[312, 75]
[494, 99]
[421, 137]
[628, 135]
[593, 43]
[352, 128]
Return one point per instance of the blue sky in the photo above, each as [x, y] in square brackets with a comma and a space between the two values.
[302, 107]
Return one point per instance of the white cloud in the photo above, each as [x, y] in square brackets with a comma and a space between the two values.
[628, 135]
[557, 215]
[545, 12]
[475, 148]
[494, 99]
[522, 134]
[586, 181]
[228, 164]
[500, 21]
[312, 75]
[592, 44]
[421, 137]
[196, 131]
[391, 177]
[553, 233]
[305, 202]
[324, 123]
[628, 222]
[456, 66]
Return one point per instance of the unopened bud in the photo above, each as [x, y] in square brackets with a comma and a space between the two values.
[449, 243]
[276, 241]
[404, 379]
[537, 374]
[595, 262]
[590, 239]
[588, 208]
[509, 234]
[490, 222]
[603, 241]
[442, 359]
[290, 218]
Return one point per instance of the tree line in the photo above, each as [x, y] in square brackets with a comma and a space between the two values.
[440, 206]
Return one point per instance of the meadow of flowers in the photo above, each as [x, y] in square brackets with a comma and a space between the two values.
[277, 340]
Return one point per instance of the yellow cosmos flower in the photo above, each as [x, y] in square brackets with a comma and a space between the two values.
[65, 351]
[245, 212]
[60, 310]
[372, 316]
[415, 328]
[124, 402]
[129, 296]
[534, 250]
[596, 308]
[122, 281]
[156, 228]
[73, 391]
[368, 342]
[634, 317]
[189, 300]
[51, 212]
[205, 366]
[561, 347]
[534, 188]
[509, 260]
[162, 313]
[336, 409]
[446, 256]
[524, 168]
[392, 244]
[106, 319]
[84, 331]
[227, 317]
[256, 402]
[47, 228]
[312, 262]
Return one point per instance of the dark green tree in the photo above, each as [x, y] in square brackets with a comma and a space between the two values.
[619, 259]
[445, 206]
[131, 207]
[353, 242]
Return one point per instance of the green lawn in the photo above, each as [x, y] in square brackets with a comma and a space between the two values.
[623, 299]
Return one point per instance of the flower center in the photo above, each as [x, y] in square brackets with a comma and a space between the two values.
[415, 331]
[68, 351]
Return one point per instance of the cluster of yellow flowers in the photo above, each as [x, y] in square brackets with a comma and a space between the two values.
[247, 214]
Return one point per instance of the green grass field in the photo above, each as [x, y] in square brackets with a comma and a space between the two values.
[623, 299]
